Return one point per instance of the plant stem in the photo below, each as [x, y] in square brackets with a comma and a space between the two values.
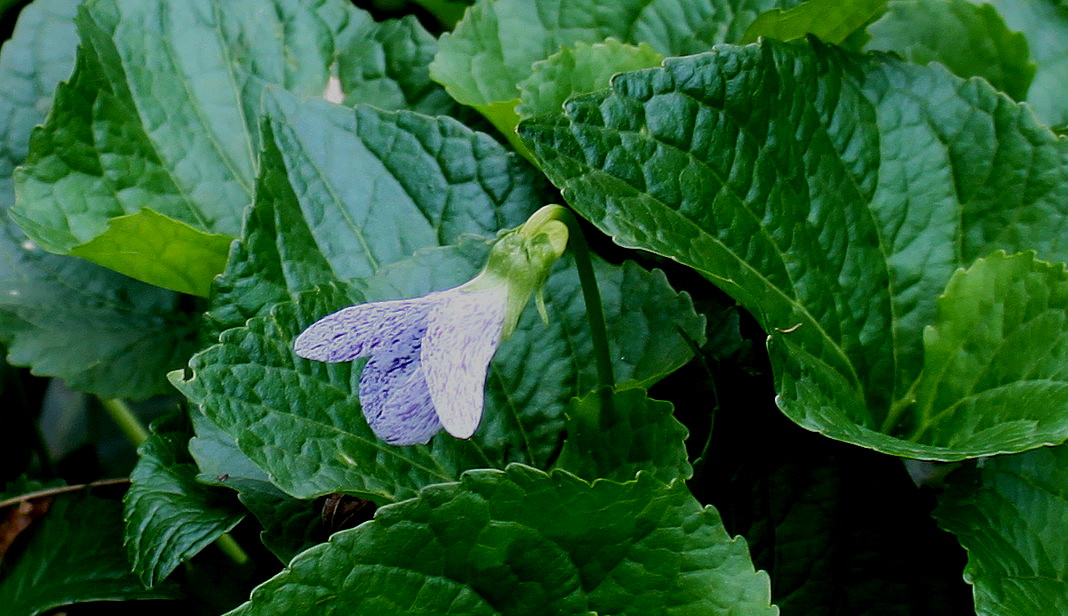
[130, 425]
[231, 548]
[594, 308]
[136, 432]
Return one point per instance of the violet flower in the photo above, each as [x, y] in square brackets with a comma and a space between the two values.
[429, 355]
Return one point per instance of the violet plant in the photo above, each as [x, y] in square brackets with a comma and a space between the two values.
[813, 359]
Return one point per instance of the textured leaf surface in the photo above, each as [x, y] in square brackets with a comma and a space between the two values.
[1011, 514]
[344, 192]
[495, 46]
[68, 561]
[523, 542]
[579, 69]
[836, 212]
[152, 247]
[99, 331]
[169, 516]
[970, 40]
[615, 434]
[387, 65]
[162, 112]
[1045, 24]
[831, 21]
[252, 384]
[289, 525]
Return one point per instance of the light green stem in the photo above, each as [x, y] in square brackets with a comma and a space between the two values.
[130, 425]
[135, 431]
[231, 548]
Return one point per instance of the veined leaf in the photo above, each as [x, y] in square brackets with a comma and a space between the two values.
[68, 561]
[387, 64]
[579, 69]
[970, 40]
[169, 516]
[64, 317]
[616, 434]
[290, 526]
[343, 192]
[522, 542]
[835, 208]
[300, 420]
[830, 20]
[162, 112]
[346, 223]
[1045, 25]
[495, 46]
[1011, 514]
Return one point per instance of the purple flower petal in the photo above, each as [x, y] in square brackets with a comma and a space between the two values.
[394, 394]
[359, 331]
[463, 331]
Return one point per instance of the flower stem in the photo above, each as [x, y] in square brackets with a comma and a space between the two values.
[135, 431]
[229, 546]
[594, 308]
[124, 417]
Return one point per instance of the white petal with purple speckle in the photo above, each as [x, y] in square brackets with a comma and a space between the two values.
[429, 357]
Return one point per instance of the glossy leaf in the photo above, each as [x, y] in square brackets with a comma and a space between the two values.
[162, 112]
[64, 317]
[387, 65]
[836, 211]
[495, 46]
[523, 542]
[831, 21]
[970, 40]
[169, 516]
[343, 192]
[67, 561]
[289, 525]
[579, 69]
[616, 434]
[1045, 25]
[1011, 514]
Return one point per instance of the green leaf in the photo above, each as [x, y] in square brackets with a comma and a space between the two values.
[101, 332]
[39, 54]
[578, 69]
[117, 142]
[276, 406]
[170, 517]
[496, 45]
[969, 40]
[999, 341]
[1011, 514]
[830, 20]
[836, 212]
[152, 247]
[1045, 25]
[299, 420]
[386, 64]
[68, 561]
[64, 317]
[615, 434]
[523, 542]
[375, 187]
[537, 371]
[290, 526]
